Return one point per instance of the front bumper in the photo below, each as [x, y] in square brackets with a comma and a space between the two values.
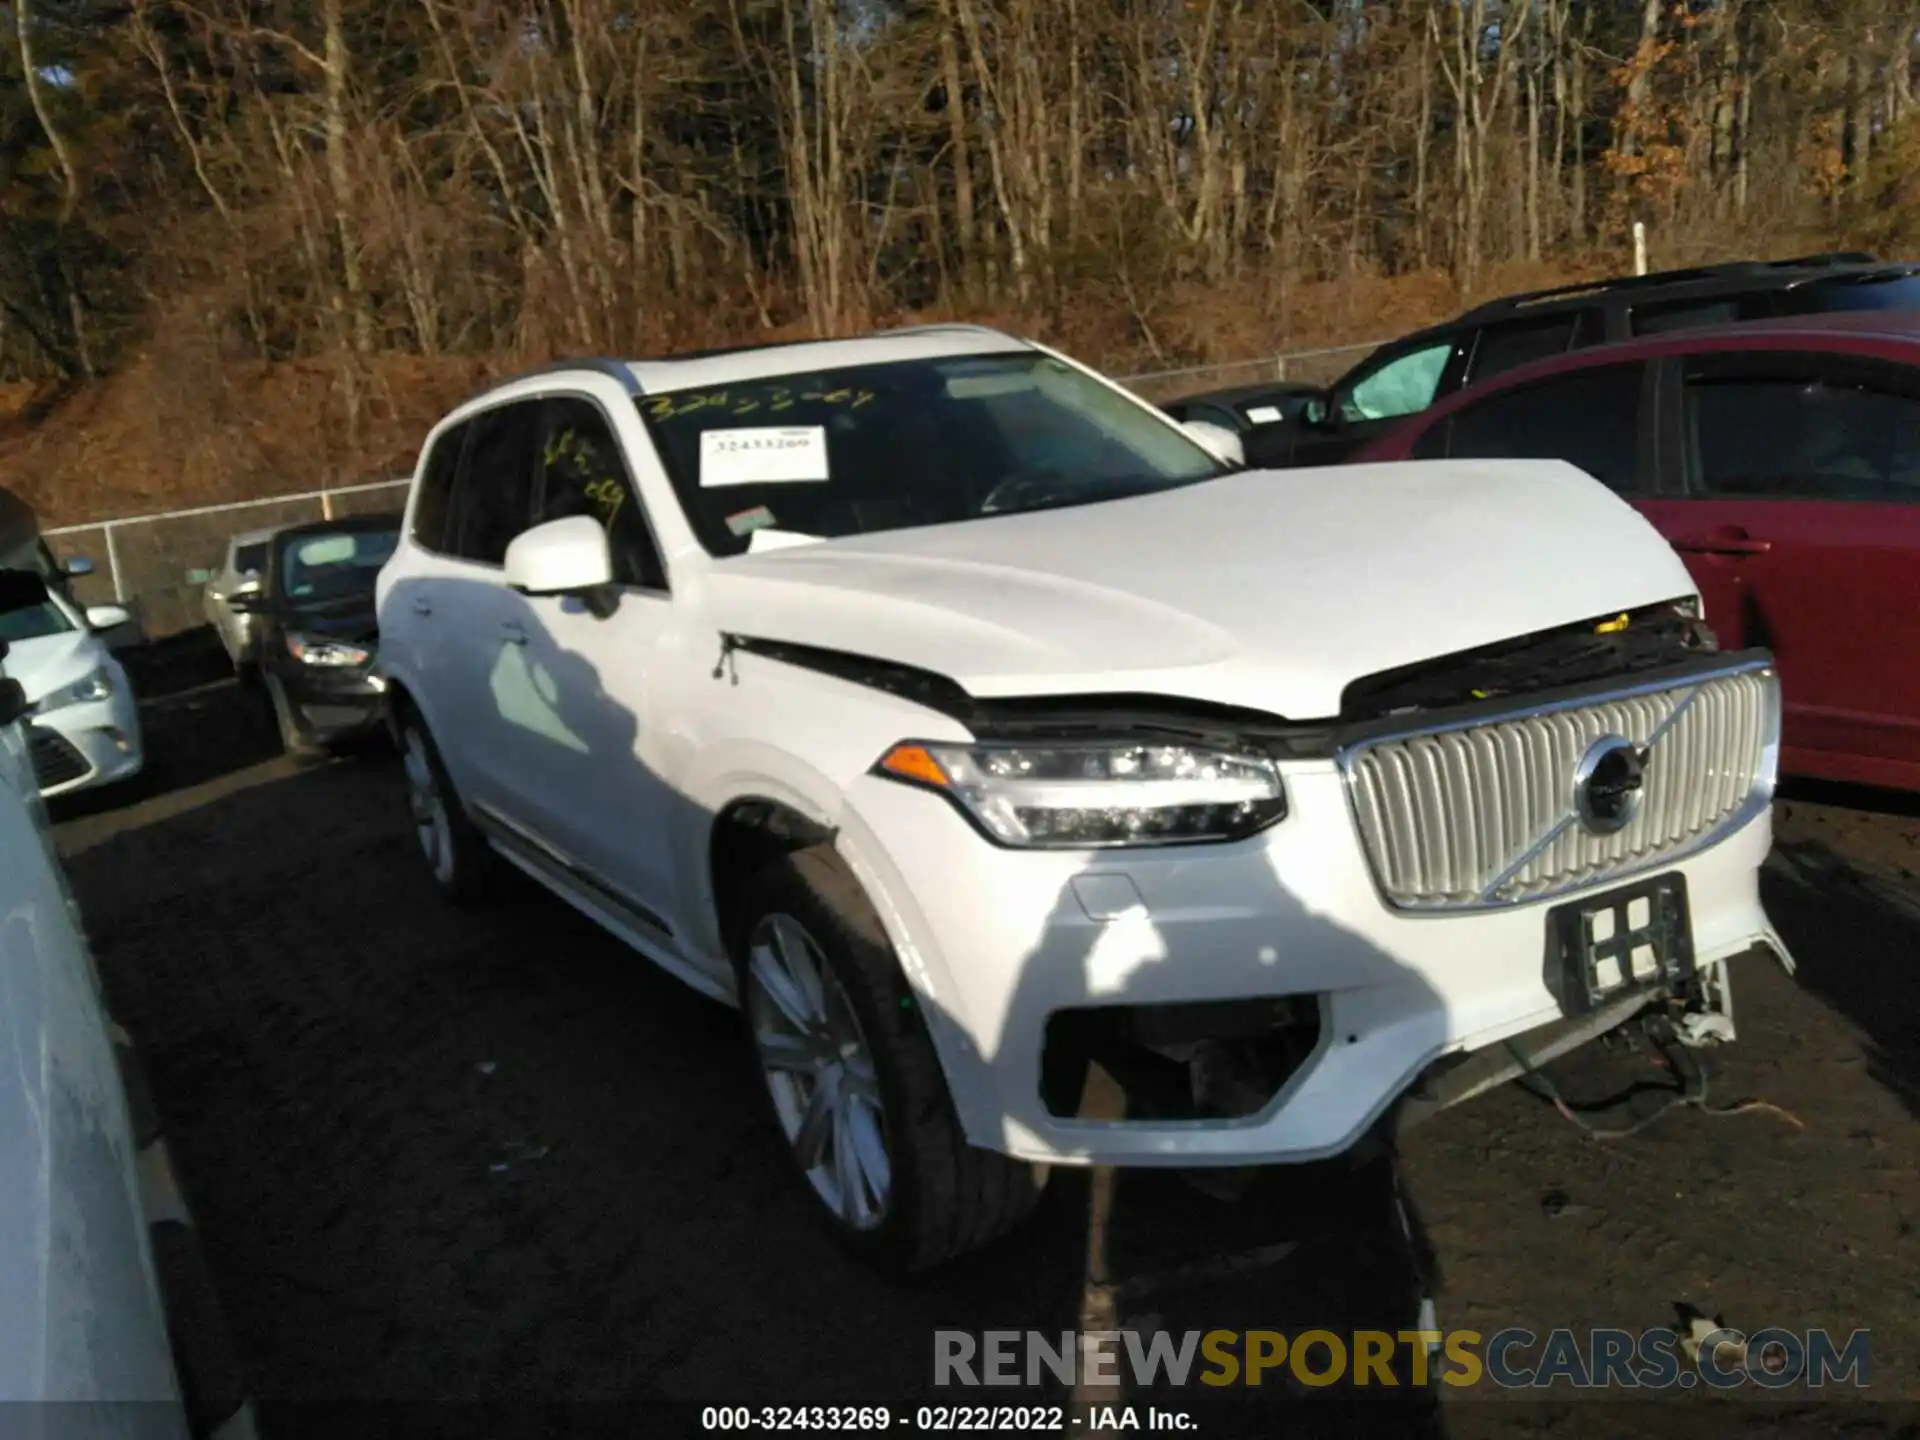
[996, 942]
[332, 704]
[78, 747]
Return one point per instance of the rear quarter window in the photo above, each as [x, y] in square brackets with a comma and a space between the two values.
[434, 503]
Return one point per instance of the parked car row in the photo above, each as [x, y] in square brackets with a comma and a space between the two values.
[977, 729]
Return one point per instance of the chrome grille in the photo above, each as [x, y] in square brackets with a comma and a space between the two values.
[1483, 814]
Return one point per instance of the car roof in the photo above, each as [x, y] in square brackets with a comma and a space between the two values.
[1847, 330]
[1738, 277]
[253, 537]
[693, 369]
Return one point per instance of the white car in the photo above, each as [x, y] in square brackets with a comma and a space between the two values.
[1046, 791]
[83, 1314]
[82, 727]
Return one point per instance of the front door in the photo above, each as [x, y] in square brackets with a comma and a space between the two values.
[1801, 522]
[601, 796]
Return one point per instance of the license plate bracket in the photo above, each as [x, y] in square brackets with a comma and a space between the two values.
[1637, 938]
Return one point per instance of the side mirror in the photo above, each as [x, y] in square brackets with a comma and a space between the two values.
[1217, 439]
[247, 600]
[78, 566]
[108, 617]
[13, 701]
[561, 557]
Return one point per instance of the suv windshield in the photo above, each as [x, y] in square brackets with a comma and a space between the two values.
[909, 443]
[36, 622]
[320, 566]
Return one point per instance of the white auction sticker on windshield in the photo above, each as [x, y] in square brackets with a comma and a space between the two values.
[763, 455]
[1264, 414]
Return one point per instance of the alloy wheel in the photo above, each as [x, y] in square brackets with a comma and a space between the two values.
[429, 807]
[819, 1070]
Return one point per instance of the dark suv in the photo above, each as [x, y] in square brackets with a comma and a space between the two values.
[1407, 375]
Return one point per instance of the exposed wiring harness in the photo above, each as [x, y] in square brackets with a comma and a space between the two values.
[1692, 1092]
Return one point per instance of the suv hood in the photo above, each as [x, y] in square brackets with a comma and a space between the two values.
[1270, 590]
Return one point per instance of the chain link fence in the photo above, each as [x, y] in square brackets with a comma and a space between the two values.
[157, 565]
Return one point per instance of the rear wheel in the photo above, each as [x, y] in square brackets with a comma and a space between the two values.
[458, 856]
[855, 1086]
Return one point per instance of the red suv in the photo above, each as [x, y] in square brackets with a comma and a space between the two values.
[1782, 460]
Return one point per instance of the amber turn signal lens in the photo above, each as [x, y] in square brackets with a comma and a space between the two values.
[913, 762]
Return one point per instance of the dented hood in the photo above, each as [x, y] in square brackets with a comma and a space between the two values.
[1271, 590]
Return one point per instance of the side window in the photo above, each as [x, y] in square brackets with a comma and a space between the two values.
[582, 473]
[1590, 419]
[1801, 439]
[430, 511]
[1691, 314]
[1506, 347]
[1405, 384]
[493, 501]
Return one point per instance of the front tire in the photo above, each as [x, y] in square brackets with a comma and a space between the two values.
[457, 855]
[855, 1086]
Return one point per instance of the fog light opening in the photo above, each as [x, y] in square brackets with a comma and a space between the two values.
[1200, 1060]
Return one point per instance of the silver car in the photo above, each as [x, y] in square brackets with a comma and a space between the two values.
[240, 572]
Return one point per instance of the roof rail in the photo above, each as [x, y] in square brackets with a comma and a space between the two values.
[1825, 258]
[1726, 270]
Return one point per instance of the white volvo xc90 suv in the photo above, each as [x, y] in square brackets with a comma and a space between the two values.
[1042, 788]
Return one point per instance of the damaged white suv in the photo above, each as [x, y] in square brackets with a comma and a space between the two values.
[1046, 790]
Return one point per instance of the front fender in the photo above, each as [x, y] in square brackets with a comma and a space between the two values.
[750, 770]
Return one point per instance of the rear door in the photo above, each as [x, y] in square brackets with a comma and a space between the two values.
[1801, 513]
[488, 715]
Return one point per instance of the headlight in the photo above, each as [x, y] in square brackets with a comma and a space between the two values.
[95, 685]
[317, 650]
[1097, 794]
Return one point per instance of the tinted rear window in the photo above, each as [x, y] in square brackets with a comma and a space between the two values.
[250, 557]
[1589, 418]
[1655, 319]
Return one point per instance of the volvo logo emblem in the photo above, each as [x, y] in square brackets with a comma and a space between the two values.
[1608, 783]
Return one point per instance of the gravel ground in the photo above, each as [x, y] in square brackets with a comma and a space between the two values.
[461, 1160]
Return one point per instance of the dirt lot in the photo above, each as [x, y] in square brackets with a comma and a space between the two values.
[443, 1158]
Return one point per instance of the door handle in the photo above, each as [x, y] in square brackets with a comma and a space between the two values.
[1723, 545]
[422, 605]
[512, 633]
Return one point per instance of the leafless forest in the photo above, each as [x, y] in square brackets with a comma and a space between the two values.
[274, 233]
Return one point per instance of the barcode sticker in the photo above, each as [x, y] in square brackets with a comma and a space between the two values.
[763, 455]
